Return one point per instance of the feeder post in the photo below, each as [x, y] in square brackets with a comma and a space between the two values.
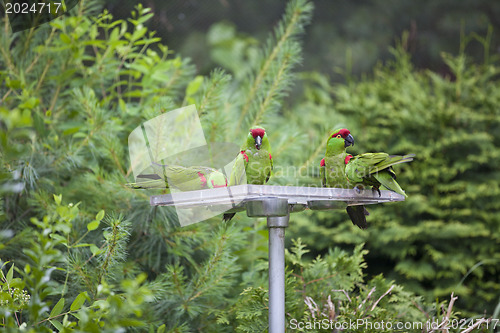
[278, 213]
[277, 225]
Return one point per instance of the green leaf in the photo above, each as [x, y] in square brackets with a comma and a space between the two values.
[99, 215]
[92, 225]
[58, 199]
[78, 302]
[139, 32]
[17, 283]
[10, 274]
[95, 250]
[14, 84]
[57, 325]
[5, 297]
[161, 329]
[194, 85]
[57, 309]
[83, 245]
[71, 130]
[65, 38]
[122, 104]
[30, 103]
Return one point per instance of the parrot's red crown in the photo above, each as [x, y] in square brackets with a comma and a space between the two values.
[343, 132]
[258, 132]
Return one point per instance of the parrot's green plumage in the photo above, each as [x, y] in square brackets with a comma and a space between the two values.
[375, 169]
[332, 171]
[182, 178]
[254, 163]
[339, 169]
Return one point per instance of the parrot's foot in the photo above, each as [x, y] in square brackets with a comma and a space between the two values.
[378, 190]
[358, 188]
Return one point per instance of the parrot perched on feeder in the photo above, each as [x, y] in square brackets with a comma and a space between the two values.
[254, 162]
[182, 178]
[339, 169]
[332, 171]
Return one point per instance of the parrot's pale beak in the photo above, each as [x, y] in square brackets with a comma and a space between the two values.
[349, 141]
[258, 142]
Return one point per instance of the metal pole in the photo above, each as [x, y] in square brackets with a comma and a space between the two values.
[277, 225]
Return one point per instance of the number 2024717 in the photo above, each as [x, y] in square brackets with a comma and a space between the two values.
[27, 8]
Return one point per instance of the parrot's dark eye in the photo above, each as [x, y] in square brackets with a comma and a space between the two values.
[339, 136]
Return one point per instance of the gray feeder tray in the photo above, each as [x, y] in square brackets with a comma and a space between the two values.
[315, 198]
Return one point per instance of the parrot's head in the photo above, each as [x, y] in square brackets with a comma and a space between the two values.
[217, 179]
[339, 140]
[258, 138]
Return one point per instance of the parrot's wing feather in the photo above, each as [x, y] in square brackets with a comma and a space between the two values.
[237, 177]
[271, 159]
[370, 163]
[271, 169]
[238, 173]
[183, 178]
[322, 175]
[179, 175]
[364, 164]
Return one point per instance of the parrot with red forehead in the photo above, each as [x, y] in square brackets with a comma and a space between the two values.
[339, 169]
[332, 171]
[181, 178]
[254, 162]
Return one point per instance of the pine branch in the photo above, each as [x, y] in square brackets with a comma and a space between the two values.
[297, 15]
[215, 86]
[274, 91]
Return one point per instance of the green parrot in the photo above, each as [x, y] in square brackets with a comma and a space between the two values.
[369, 169]
[254, 162]
[182, 178]
[332, 171]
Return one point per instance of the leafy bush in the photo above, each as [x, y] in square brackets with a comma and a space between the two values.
[331, 293]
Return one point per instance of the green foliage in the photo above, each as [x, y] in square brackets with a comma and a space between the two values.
[272, 78]
[45, 293]
[350, 36]
[95, 256]
[331, 288]
[12, 295]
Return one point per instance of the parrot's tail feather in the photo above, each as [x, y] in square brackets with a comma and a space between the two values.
[407, 156]
[149, 176]
[228, 216]
[148, 184]
[390, 183]
[396, 159]
[388, 162]
[358, 215]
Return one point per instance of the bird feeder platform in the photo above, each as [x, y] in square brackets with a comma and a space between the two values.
[314, 198]
[275, 203]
